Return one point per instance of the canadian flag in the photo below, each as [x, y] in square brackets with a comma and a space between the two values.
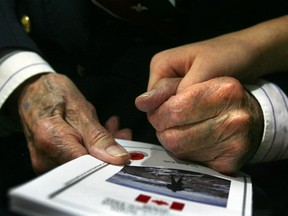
[178, 206]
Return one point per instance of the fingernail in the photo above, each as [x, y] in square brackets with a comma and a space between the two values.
[117, 151]
[147, 94]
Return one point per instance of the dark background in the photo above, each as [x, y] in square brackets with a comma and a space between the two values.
[118, 82]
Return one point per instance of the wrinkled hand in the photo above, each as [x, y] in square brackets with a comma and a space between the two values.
[60, 125]
[215, 122]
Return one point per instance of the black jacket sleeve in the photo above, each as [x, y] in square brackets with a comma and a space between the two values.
[12, 33]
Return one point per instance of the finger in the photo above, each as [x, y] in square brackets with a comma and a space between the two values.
[125, 133]
[98, 141]
[112, 124]
[161, 91]
[199, 72]
[199, 141]
[170, 63]
[101, 144]
[220, 143]
[82, 116]
[197, 103]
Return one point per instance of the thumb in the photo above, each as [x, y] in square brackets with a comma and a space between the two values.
[161, 92]
[101, 144]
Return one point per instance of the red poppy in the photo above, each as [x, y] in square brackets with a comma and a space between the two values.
[136, 156]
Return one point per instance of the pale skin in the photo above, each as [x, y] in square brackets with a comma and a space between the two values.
[247, 55]
[198, 110]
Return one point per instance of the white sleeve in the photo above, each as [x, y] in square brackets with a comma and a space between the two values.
[15, 68]
[274, 104]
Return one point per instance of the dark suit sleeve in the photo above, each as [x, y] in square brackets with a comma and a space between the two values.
[12, 34]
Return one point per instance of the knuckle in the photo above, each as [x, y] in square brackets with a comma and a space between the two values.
[81, 116]
[231, 86]
[156, 58]
[240, 121]
[237, 89]
[101, 137]
[89, 113]
[159, 61]
[235, 126]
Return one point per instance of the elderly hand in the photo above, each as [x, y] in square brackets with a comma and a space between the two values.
[201, 115]
[215, 122]
[60, 125]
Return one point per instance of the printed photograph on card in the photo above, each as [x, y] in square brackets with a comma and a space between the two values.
[181, 184]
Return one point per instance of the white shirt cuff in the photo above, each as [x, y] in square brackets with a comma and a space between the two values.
[274, 104]
[17, 68]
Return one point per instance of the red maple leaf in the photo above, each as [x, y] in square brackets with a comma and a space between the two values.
[160, 202]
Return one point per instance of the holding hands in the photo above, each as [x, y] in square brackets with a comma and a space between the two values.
[215, 122]
[199, 111]
[246, 55]
[195, 101]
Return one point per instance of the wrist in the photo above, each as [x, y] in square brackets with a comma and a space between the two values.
[12, 103]
[268, 42]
